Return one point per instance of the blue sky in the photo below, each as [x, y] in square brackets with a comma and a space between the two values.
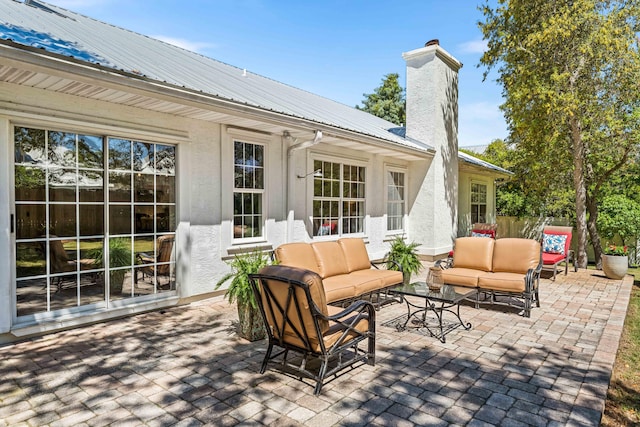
[337, 49]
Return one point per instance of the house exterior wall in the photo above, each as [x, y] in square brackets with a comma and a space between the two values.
[375, 228]
[204, 199]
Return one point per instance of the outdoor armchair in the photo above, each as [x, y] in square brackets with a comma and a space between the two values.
[324, 340]
[158, 265]
[556, 249]
[480, 229]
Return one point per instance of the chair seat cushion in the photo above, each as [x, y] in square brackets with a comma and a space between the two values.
[510, 282]
[461, 276]
[335, 330]
[552, 258]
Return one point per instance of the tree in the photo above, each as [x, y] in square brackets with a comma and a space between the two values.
[387, 101]
[619, 216]
[520, 196]
[569, 71]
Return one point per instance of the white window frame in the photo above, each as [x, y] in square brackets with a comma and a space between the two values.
[105, 132]
[472, 203]
[248, 137]
[387, 183]
[342, 161]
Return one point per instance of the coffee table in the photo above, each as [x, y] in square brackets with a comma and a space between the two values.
[447, 299]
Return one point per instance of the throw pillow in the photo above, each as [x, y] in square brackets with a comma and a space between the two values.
[553, 243]
[480, 234]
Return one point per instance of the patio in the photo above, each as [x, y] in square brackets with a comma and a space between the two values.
[185, 366]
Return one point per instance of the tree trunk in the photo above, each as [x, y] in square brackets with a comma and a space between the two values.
[581, 191]
[593, 231]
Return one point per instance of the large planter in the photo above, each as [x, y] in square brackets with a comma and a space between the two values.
[250, 323]
[615, 266]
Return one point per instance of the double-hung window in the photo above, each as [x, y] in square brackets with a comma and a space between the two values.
[338, 199]
[478, 202]
[395, 200]
[248, 190]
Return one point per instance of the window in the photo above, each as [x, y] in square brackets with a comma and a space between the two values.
[395, 200]
[76, 194]
[338, 199]
[478, 202]
[248, 190]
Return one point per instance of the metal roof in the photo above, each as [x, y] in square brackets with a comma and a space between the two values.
[464, 157]
[63, 32]
[58, 31]
[467, 158]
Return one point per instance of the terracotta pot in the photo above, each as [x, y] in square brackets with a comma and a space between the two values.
[615, 266]
[250, 323]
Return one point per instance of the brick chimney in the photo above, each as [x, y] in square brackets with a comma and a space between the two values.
[432, 118]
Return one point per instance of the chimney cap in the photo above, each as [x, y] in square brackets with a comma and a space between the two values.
[432, 42]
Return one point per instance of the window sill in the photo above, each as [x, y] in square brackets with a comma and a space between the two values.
[247, 247]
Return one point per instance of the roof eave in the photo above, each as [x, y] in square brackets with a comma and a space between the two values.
[89, 72]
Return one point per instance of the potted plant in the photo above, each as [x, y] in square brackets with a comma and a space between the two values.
[250, 323]
[404, 256]
[615, 261]
[119, 256]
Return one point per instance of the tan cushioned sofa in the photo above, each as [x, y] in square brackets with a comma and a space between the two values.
[503, 267]
[343, 265]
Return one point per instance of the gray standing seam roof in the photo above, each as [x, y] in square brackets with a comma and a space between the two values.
[63, 32]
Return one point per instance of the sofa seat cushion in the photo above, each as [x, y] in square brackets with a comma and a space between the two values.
[462, 276]
[552, 258]
[387, 277]
[509, 282]
[299, 255]
[366, 281]
[340, 287]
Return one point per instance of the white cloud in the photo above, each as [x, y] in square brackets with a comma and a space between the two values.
[473, 46]
[185, 44]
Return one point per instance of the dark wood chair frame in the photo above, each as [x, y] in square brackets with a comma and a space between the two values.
[342, 354]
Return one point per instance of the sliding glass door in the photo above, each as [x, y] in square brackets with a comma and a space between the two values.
[77, 194]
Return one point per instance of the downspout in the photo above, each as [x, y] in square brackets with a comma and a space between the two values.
[291, 176]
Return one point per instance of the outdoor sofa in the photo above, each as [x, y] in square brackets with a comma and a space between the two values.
[343, 265]
[501, 270]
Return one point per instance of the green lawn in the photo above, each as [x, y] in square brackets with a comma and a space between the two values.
[623, 399]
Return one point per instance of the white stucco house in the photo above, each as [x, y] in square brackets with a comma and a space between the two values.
[110, 138]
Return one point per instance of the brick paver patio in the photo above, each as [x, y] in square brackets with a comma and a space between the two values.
[185, 366]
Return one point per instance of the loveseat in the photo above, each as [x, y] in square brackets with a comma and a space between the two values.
[501, 270]
[343, 265]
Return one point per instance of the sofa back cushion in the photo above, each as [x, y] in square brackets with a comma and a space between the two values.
[299, 255]
[330, 259]
[515, 255]
[355, 254]
[474, 253]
